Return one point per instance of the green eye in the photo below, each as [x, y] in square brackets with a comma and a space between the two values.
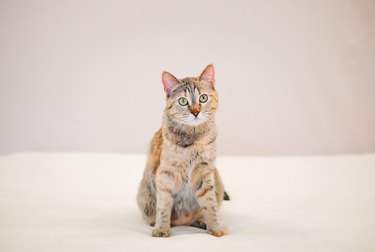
[183, 101]
[203, 98]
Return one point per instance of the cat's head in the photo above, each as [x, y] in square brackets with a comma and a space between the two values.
[192, 100]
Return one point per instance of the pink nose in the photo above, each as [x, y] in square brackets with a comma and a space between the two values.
[195, 113]
[195, 110]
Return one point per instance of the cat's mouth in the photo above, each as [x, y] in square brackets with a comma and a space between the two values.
[195, 120]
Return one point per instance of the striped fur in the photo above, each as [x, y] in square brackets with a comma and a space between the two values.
[181, 185]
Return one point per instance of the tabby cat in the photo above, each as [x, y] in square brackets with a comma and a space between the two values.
[180, 184]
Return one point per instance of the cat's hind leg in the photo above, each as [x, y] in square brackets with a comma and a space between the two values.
[198, 221]
[147, 202]
[199, 224]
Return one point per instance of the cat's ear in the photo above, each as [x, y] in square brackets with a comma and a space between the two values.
[208, 75]
[169, 81]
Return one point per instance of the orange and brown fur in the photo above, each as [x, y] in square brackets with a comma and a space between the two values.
[181, 185]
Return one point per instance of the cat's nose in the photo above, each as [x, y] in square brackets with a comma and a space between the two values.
[195, 109]
[195, 113]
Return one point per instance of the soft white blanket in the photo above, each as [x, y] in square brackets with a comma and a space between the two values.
[86, 202]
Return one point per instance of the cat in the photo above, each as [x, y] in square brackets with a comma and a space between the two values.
[180, 184]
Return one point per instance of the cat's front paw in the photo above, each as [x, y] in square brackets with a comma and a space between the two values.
[217, 232]
[161, 233]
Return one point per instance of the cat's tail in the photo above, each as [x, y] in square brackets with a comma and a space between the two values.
[226, 196]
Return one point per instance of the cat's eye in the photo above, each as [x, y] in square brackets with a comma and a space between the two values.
[203, 98]
[183, 101]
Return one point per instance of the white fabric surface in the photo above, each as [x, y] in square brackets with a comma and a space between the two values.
[86, 202]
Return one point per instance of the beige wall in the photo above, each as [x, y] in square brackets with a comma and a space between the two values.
[295, 77]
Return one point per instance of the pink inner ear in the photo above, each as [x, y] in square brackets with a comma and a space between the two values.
[208, 75]
[169, 81]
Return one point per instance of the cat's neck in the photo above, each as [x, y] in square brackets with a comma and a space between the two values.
[185, 135]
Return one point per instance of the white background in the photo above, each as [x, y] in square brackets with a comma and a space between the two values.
[294, 77]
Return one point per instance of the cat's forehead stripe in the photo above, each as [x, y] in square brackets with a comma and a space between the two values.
[191, 90]
[187, 86]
